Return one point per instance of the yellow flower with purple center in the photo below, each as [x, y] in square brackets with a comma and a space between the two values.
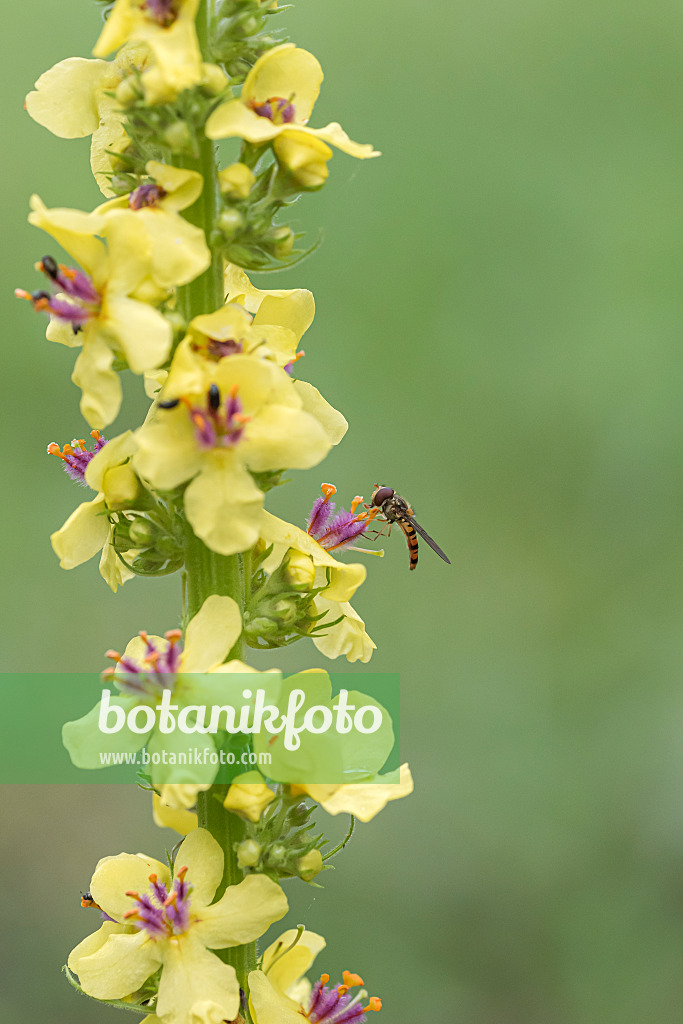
[216, 424]
[189, 673]
[310, 561]
[156, 921]
[168, 28]
[279, 993]
[96, 307]
[177, 249]
[106, 469]
[275, 104]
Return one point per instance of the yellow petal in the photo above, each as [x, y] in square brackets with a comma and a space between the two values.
[182, 187]
[247, 798]
[65, 100]
[179, 252]
[282, 437]
[330, 419]
[293, 308]
[182, 796]
[119, 967]
[285, 71]
[118, 27]
[167, 450]
[83, 534]
[284, 971]
[203, 858]
[145, 336]
[114, 876]
[269, 1005]
[100, 384]
[233, 120]
[179, 819]
[113, 454]
[112, 569]
[195, 987]
[109, 138]
[335, 135]
[348, 637]
[224, 505]
[74, 230]
[364, 801]
[242, 914]
[211, 634]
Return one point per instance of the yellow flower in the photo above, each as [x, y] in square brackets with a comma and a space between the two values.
[275, 104]
[248, 796]
[217, 422]
[87, 530]
[157, 922]
[347, 637]
[98, 309]
[362, 799]
[195, 672]
[280, 994]
[177, 249]
[168, 28]
[75, 98]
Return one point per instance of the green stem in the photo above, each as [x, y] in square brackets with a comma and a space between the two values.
[207, 572]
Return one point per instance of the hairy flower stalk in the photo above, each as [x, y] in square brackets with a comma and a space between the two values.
[156, 282]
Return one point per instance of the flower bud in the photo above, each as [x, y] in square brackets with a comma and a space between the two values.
[277, 855]
[305, 157]
[178, 137]
[300, 569]
[230, 222]
[310, 865]
[126, 93]
[282, 242]
[249, 853]
[141, 533]
[236, 180]
[214, 79]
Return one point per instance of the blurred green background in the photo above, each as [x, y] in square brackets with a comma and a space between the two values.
[500, 317]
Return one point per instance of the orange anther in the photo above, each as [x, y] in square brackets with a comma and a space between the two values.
[144, 636]
[342, 989]
[67, 449]
[20, 293]
[114, 655]
[173, 635]
[324, 978]
[134, 895]
[374, 1004]
[54, 449]
[351, 979]
[181, 874]
[356, 502]
[152, 879]
[328, 490]
[95, 434]
[78, 442]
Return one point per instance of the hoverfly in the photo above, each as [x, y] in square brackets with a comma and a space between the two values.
[88, 901]
[396, 509]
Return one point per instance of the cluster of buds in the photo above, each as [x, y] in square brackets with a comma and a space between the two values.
[279, 844]
[282, 606]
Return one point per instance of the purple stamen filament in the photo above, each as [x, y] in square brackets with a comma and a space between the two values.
[159, 913]
[276, 109]
[154, 673]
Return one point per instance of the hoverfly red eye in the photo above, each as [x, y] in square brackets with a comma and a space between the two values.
[381, 495]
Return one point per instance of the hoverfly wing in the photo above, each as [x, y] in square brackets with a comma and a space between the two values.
[428, 540]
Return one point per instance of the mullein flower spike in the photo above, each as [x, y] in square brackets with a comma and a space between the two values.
[154, 282]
